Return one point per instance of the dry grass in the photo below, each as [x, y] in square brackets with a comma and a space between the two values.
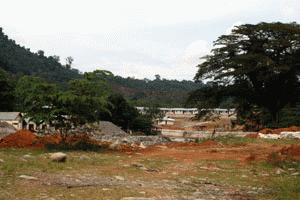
[176, 172]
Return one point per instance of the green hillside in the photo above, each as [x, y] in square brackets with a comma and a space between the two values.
[19, 61]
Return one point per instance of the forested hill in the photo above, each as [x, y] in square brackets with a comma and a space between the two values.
[21, 61]
[161, 92]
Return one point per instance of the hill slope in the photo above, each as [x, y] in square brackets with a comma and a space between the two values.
[21, 61]
[165, 93]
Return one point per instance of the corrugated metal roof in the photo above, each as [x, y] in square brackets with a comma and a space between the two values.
[9, 115]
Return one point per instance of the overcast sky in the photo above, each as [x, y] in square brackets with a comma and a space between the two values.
[137, 38]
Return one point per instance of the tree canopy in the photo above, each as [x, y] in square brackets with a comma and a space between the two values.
[258, 65]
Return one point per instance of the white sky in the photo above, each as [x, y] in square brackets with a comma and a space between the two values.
[137, 38]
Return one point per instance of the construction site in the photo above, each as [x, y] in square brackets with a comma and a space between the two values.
[109, 163]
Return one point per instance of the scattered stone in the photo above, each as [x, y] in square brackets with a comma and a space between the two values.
[162, 147]
[114, 145]
[125, 141]
[183, 181]
[265, 174]
[279, 171]
[120, 178]
[152, 170]
[58, 157]
[142, 146]
[105, 189]
[84, 157]
[27, 156]
[1, 161]
[31, 178]
[139, 165]
[244, 176]
[136, 198]
[295, 174]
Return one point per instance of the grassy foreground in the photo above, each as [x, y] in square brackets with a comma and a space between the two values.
[162, 172]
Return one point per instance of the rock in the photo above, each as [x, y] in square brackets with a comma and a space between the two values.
[265, 174]
[138, 165]
[279, 171]
[162, 147]
[152, 170]
[125, 140]
[84, 157]
[1, 161]
[58, 157]
[142, 146]
[27, 156]
[120, 178]
[295, 174]
[183, 181]
[136, 198]
[31, 178]
[114, 145]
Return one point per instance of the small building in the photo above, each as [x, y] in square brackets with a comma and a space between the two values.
[13, 118]
[165, 121]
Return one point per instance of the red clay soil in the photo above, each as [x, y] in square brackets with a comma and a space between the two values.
[292, 152]
[51, 139]
[279, 130]
[252, 135]
[212, 150]
[27, 139]
[21, 139]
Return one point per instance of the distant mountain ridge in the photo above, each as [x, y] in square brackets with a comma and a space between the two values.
[20, 61]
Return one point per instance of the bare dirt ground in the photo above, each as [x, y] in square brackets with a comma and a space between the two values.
[227, 168]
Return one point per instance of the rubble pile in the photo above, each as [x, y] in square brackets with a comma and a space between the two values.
[279, 130]
[105, 128]
[145, 140]
[108, 132]
[292, 132]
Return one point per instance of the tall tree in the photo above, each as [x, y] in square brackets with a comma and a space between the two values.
[69, 62]
[35, 98]
[259, 65]
[85, 101]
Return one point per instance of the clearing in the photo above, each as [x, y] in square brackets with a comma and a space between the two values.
[225, 168]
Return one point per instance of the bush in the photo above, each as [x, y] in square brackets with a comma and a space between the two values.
[81, 145]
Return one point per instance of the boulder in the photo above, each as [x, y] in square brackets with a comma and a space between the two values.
[31, 178]
[120, 178]
[136, 198]
[142, 146]
[114, 145]
[58, 157]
